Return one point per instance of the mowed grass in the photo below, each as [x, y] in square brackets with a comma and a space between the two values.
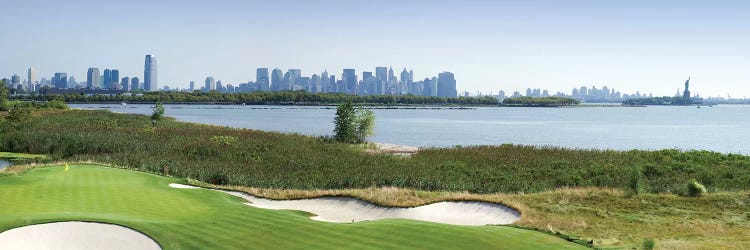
[206, 219]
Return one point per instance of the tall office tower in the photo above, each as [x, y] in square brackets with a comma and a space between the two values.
[192, 86]
[15, 80]
[210, 84]
[32, 78]
[261, 79]
[115, 78]
[391, 76]
[135, 83]
[381, 73]
[350, 81]
[434, 89]
[411, 75]
[125, 83]
[325, 82]
[405, 82]
[315, 84]
[219, 86]
[92, 78]
[447, 85]
[277, 79]
[61, 80]
[107, 78]
[150, 82]
[291, 81]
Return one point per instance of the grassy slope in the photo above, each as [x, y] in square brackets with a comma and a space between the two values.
[611, 218]
[205, 219]
[9, 155]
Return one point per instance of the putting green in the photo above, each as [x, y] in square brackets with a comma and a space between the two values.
[206, 219]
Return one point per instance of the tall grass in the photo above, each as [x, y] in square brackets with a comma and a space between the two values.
[289, 161]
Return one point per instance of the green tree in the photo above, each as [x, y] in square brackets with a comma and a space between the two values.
[3, 95]
[345, 130]
[158, 111]
[365, 124]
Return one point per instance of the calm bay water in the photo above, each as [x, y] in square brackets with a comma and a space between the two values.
[723, 128]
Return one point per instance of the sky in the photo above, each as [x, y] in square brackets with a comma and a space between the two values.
[647, 46]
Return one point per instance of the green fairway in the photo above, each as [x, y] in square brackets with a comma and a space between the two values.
[206, 219]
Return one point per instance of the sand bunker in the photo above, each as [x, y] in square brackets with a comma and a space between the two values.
[344, 209]
[175, 185]
[75, 235]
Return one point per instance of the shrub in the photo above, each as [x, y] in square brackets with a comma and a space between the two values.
[224, 140]
[217, 179]
[695, 188]
[635, 179]
[158, 111]
[345, 131]
[648, 244]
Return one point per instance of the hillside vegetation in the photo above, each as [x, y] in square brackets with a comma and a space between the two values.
[245, 157]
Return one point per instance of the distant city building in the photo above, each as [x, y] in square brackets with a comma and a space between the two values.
[277, 79]
[15, 80]
[150, 82]
[210, 84]
[92, 78]
[61, 80]
[262, 79]
[106, 78]
[125, 83]
[446, 85]
[350, 81]
[114, 80]
[192, 86]
[31, 76]
[135, 84]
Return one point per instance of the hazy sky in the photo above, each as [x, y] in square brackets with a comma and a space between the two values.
[652, 46]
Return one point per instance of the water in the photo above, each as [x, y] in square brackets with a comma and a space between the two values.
[4, 163]
[721, 128]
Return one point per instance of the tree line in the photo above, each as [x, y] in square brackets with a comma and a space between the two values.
[263, 97]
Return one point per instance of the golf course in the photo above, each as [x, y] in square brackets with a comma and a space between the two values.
[207, 219]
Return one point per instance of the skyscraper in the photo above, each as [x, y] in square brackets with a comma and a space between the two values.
[32, 78]
[192, 86]
[210, 83]
[447, 85]
[135, 83]
[150, 82]
[61, 80]
[107, 78]
[277, 79]
[92, 78]
[381, 73]
[15, 80]
[115, 79]
[261, 79]
[125, 83]
[350, 81]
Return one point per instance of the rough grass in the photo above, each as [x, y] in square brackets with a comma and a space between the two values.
[287, 161]
[610, 218]
[205, 219]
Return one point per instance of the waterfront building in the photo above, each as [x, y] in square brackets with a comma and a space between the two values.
[135, 84]
[262, 79]
[150, 82]
[277, 79]
[125, 83]
[350, 81]
[210, 84]
[31, 76]
[192, 86]
[61, 80]
[446, 85]
[92, 78]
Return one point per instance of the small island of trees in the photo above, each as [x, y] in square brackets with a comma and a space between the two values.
[528, 101]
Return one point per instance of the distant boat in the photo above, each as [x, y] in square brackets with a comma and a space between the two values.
[123, 104]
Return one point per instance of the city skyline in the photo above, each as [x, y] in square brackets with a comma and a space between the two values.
[492, 45]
